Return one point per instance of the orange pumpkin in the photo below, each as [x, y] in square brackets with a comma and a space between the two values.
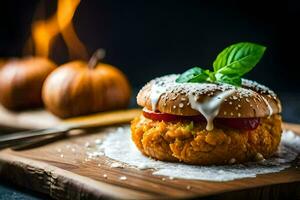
[76, 88]
[21, 82]
[2, 62]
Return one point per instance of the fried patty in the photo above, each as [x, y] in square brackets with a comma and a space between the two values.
[190, 142]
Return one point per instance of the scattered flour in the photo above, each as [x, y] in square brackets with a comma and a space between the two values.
[119, 147]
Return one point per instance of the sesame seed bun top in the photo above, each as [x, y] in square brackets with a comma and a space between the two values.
[165, 95]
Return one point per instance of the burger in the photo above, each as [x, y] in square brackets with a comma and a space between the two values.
[207, 117]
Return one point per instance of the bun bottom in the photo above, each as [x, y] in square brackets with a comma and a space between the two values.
[191, 143]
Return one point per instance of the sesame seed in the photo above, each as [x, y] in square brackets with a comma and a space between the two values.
[181, 105]
[123, 178]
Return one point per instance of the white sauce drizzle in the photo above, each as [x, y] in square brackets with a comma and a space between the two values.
[269, 106]
[156, 92]
[211, 107]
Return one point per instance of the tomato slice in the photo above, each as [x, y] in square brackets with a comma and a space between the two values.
[169, 117]
[237, 123]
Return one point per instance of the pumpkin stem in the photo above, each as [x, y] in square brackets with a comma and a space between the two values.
[98, 55]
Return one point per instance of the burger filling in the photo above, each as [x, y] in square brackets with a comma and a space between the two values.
[184, 138]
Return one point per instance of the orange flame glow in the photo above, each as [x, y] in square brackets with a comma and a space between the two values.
[44, 31]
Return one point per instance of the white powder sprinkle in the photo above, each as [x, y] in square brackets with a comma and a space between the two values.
[123, 178]
[118, 146]
[116, 165]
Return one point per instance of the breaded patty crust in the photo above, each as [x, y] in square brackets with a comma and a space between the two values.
[190, 142]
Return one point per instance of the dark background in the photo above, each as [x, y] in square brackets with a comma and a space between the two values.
[146, 39]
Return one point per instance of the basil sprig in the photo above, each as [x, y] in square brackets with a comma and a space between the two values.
[229, 66]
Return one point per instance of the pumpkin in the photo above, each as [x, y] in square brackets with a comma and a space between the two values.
[21, 82]
[78, 88]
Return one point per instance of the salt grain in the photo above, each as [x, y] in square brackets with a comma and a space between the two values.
[87, 144]
[232, 161]
[98, 141]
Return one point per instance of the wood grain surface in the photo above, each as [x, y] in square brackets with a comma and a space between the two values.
[63, 170]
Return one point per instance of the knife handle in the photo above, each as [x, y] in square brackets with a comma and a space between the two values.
[15, 138]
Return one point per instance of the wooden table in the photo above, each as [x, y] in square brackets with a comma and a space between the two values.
[54, 170]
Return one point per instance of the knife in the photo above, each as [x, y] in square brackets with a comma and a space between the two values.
[90, 121]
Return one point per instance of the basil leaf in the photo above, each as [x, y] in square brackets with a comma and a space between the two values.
[193, 75]
[238, 59]
[232, 80]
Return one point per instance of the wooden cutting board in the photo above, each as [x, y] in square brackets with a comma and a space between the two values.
[62, 170]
